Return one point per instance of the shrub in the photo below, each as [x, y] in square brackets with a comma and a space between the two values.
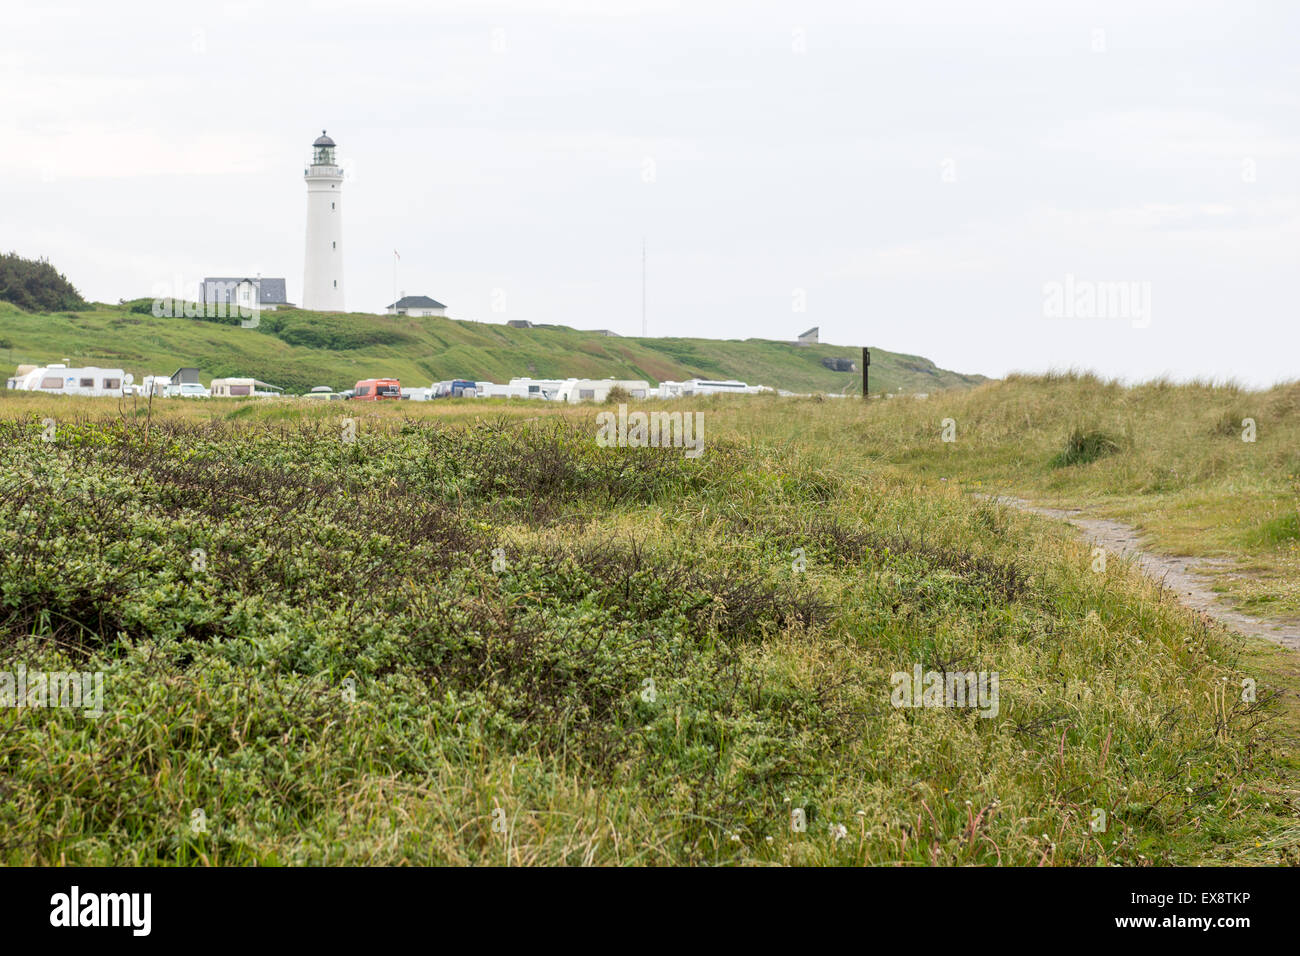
[1084, 447]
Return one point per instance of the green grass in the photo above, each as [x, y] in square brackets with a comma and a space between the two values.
[1177, 471]
[435, 645]
[297, 350]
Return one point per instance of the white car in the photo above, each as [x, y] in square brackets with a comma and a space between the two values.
[190, 390]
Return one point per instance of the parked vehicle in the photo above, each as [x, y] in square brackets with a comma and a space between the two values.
[155, 385]
[454, 388]
[243, 388]
[324, 393]
[597, 390]
[702, 386]
[541, 388]
[377, 390]
[492, 390]
[188, 390]
[59, 379]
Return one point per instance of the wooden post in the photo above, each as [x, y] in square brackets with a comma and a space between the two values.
[866, 364]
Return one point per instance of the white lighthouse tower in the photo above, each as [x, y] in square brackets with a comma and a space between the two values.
[322, 286]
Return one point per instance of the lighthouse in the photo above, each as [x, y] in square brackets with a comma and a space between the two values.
[322, 285]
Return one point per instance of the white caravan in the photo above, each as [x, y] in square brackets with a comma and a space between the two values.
[59, 379]
[703, 386]
[242, 388]
[493, 390]
[544, 388]
[155, 385]
[576, 390]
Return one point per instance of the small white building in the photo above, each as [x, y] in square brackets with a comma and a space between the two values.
[60, 379]
[416, 306]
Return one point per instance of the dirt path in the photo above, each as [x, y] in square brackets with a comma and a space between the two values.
[1186, 577]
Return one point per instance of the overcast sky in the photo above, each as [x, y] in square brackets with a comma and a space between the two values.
[922, 177]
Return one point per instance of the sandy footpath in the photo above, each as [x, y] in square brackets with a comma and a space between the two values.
[1186, 577]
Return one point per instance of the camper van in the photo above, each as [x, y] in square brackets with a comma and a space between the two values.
[377, 390]
[60, 379]
[455, 388]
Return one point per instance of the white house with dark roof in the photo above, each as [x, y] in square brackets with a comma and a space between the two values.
[416, 306]
[242, 292]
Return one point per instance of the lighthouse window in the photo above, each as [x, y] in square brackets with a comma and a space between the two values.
[336, 283]
[334, 245]
[331, 205]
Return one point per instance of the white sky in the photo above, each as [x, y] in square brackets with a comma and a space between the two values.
[504, 146]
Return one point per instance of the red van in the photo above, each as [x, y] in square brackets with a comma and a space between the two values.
[377, 389]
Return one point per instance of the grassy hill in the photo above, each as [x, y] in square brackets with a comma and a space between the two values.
[296, 350]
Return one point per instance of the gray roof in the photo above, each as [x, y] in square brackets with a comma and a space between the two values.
[222, 290]
[417, 302]
[323, 140]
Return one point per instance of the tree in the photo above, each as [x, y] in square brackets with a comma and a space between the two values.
[35, 285]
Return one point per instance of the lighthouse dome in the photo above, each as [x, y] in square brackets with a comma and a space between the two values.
[323, 140]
